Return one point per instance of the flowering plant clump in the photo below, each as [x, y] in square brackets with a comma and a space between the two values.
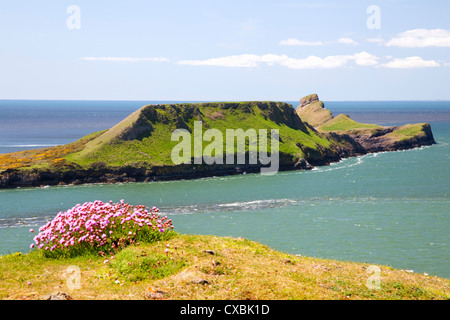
[102, 228]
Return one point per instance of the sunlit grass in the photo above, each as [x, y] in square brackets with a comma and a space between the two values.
[343, 122]
[231, 268]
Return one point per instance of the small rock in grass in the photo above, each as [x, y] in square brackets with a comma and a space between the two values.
[200, 281]
[58, 296]
[154, 294]
[215, 263]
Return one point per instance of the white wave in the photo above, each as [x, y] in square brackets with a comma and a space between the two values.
[24, 221]
[231, 206]
[345, 163]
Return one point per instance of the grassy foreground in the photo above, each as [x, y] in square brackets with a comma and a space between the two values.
[207, 267]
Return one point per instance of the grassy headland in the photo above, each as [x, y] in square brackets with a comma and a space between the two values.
[139, 148]
[209, 267]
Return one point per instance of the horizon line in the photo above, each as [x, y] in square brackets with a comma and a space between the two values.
[243, 100]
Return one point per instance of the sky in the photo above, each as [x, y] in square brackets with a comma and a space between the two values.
[225, 50]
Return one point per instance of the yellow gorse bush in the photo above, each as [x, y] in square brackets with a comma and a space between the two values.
[53, 156]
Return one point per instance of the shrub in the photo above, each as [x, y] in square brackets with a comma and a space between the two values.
[100, 228]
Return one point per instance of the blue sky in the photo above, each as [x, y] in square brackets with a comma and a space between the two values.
[225, 50]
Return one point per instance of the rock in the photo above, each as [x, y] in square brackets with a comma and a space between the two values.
[308, 100]
[303, 164]
[154, 294]
[200, 281]
[312, 111]
[215, 263]
[58, 296]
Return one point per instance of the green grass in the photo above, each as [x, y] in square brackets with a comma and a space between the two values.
[238, 269]
[407, 131]
[137, 264]
[344, 123]
[155, 148]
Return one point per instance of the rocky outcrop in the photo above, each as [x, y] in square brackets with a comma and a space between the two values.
[384, 139]
[313, 111]
[356, 144]
[308, 100]
[358, 139]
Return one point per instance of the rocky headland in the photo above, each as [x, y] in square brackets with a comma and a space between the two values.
[139, 147]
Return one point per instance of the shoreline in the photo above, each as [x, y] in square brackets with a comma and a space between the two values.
[40, 178]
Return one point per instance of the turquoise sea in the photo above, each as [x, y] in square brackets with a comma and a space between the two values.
[390, 208]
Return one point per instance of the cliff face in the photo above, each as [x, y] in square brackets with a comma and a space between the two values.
[313, 111]
[139, 147]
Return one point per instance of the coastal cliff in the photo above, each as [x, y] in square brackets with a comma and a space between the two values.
[139, 147]
[362, 138]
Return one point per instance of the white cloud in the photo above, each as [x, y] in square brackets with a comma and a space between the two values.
[409, 63]
[348, 41]
[296, 42]
[241, 61]
[365, 59]
[125, 59]
[314, 62]
[420, 38]
[310, 62]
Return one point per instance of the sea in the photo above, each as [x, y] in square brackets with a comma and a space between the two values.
[389, 208]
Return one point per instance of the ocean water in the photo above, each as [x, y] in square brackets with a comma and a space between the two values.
[389, 208]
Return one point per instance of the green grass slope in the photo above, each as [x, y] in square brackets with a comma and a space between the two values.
[208, 267]
[145, 136]
[343, 122]
[410, 131]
